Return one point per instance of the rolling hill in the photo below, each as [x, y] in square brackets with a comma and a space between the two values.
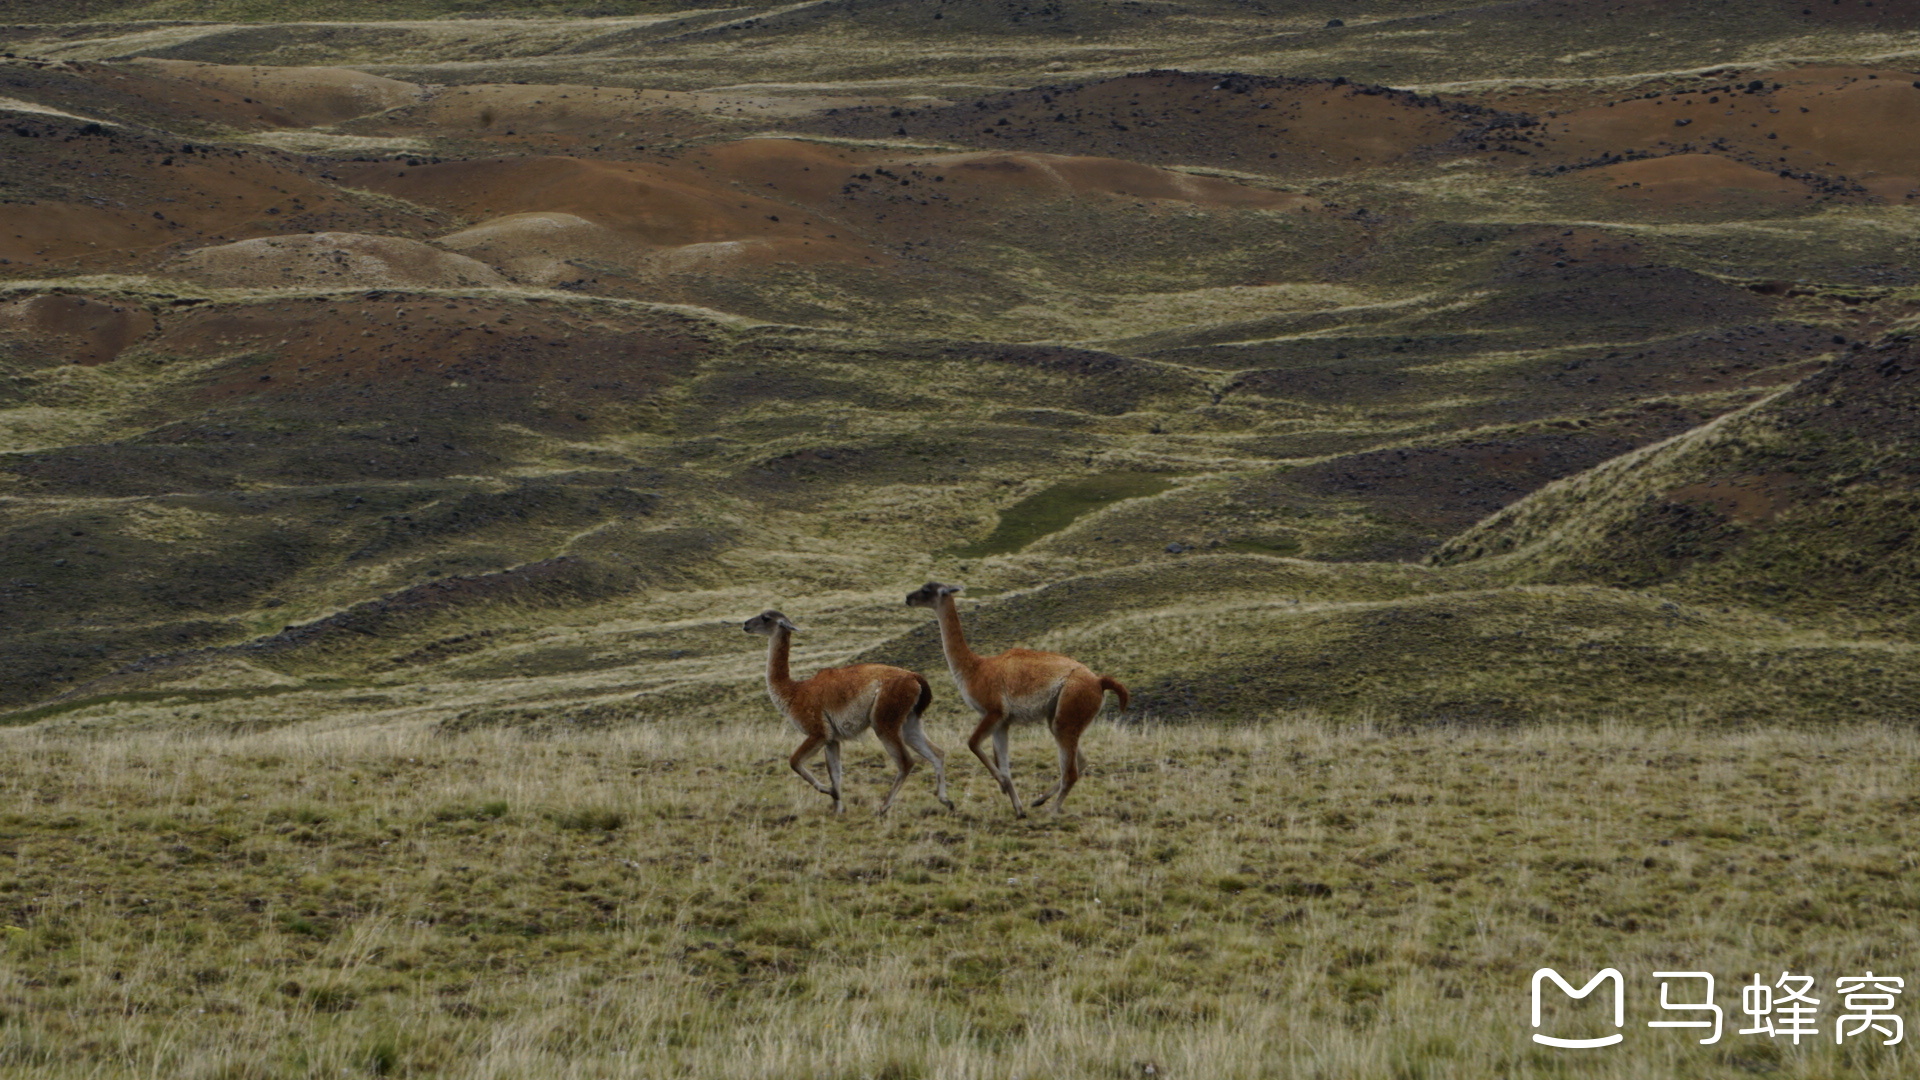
[488, 370]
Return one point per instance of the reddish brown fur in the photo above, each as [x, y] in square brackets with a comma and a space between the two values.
[1020, 684]
[839, 703]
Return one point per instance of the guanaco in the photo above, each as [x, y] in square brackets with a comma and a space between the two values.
[1019, 684]
[837, 704]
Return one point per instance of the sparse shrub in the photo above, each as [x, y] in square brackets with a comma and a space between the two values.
[486, 811]
[898, 1068]
[974, 970]
[1359, 987]
[591, 819]
[382, 1056]
[297, 814]
[304, 925]
[788, 935]
[330, 998]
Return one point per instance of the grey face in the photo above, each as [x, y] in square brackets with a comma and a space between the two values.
[929, 594]
[765, 623]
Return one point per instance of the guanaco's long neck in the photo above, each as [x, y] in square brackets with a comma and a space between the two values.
[953, 642]
[779, 683]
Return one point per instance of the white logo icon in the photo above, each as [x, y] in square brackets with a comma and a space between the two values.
[1619, 1006]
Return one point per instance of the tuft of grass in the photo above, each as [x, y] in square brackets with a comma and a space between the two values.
[482, 811]
[590, 819]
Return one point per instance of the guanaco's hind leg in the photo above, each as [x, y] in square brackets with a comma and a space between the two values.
[902, 764]
[891, 710]
[833, 774]
[1077, 707]
[993, 725]
[1001, 755]
[917, 739]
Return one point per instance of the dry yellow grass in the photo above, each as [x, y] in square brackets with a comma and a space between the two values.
[1284, 899]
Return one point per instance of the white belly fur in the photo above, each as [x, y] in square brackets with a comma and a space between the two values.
[850, 720]
[1035, 706]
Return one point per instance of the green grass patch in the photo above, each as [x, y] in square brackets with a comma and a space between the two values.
[173, 697]
[590, 819]
[1265, 545]
[1049, 511]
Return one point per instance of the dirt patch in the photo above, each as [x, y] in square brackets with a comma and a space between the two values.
[1083, 380]
[659, 206]
[292, 96]
[340, 259]
[1868, 393]
[1896, 14]
[1757, 355]
[732, 207]
[143, 93]
[1826, 126]
[429, 357]
[1447, 488]
[1556, 249]
[73, 329]
[1356, 380]
[90, 196]
[1745, 500]
[1274, 125]
[1575, 301]
[1060, 175]
[818, 174]
[539, 117]
[656, 207]
[546, 248]
[567, 579]
[1696, 180]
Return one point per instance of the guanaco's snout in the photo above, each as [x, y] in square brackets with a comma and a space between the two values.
[929, 594]
[765, 622]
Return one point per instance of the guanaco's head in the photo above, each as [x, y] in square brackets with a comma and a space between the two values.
[928, 595]
[767, 622]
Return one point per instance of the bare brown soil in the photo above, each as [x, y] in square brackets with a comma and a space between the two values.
[1286, 127]
[56, 328]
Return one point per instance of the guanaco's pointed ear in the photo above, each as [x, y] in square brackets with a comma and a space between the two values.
[788, 626]
[949, 590]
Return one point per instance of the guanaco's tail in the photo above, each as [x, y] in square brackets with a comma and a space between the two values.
[926, 695]
[1108, 682]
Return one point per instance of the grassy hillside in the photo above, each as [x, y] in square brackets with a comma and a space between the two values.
[1802, 504]
[510, 359]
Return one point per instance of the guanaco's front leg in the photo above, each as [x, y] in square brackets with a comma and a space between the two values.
[799, 760]
[833, 774]
[993, 725]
